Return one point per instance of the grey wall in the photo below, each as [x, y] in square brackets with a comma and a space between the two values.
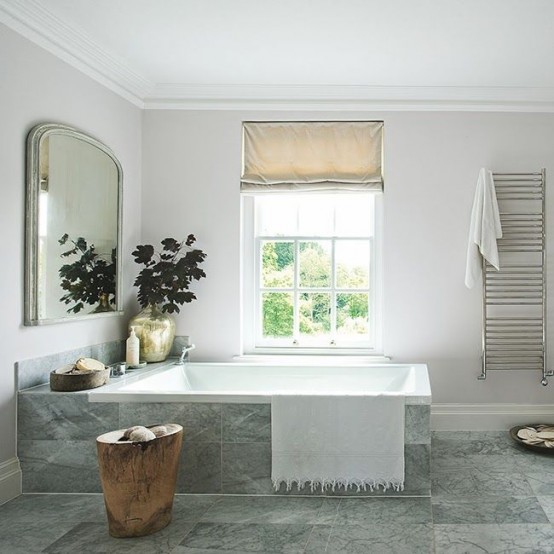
[191, 185]
[36, 87]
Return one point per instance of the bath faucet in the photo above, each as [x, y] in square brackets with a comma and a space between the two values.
[185, 354]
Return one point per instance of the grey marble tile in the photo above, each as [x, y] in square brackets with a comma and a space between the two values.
[201, 421]
[417, 425]
[246, 422]
[179, 342]
[328, 512]
[267, 509]
[191, 507]
[109, 352]
[497, 462]
[461, 443]
[63, 416]
[184, 550]
[542, 483]
[59, 466]
[369, 511]
[249, 537]
[468, 436]
[483, 509]
[479, 482]
[547, 503]
[246, 468]
[200, 468]
[93, 538]
[319, 538]
[532, 462]
[47, 507]
[27, 537]
[381, 538]
[480, 539]
[417, 469]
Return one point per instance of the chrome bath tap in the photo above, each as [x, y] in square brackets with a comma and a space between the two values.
[185, 354]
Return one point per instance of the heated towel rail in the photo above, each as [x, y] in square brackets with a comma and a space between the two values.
[514, 298]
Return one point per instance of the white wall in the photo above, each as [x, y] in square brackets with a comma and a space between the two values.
[36, 87]
[191, 172]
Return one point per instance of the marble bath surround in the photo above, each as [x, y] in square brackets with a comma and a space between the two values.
[226, 447]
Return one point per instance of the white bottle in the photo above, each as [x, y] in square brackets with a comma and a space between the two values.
[133, 349]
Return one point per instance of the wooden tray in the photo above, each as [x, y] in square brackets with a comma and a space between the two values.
[534, 447]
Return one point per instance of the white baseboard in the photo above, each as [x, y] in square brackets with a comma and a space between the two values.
[10, 480]
[488, 417]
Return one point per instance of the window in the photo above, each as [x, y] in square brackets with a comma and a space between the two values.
[312, 280]
[311, 237]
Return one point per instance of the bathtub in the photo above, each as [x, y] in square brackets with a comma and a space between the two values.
[225, 409]
[256, 383]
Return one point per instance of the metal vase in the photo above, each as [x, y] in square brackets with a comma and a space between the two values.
[156, 331]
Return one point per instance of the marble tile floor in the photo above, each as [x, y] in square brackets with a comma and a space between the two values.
[488, 496]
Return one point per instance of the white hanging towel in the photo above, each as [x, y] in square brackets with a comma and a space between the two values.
[484, 229]
[337, 441]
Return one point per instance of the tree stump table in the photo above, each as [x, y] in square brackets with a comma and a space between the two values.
[138, 480]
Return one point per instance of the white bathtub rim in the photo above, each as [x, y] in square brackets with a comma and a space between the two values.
[112, 392]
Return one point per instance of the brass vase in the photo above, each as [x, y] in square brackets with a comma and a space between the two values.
[156, 331]
[103, 304]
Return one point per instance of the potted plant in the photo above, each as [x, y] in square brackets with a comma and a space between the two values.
[90, 279]
[163, 286]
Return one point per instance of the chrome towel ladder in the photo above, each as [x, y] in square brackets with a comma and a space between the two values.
[514, 298]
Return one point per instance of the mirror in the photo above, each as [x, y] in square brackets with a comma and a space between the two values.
[73, 227]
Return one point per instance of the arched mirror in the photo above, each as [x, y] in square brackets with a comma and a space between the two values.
[73, 227]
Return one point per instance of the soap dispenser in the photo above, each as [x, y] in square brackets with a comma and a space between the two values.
[133, 349]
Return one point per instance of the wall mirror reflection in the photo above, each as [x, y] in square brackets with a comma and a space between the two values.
[73, 227]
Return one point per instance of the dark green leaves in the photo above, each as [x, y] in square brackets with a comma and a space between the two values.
[167, 274]
[88, 276]
[143, 254]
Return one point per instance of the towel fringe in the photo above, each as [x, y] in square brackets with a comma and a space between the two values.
[333, 484]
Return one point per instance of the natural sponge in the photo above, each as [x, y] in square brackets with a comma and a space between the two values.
[138, 433]
[159, 430]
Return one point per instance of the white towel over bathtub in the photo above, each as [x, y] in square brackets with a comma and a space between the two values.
[337, 441]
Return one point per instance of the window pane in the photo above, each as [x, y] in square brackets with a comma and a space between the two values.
[315, 215]
[278, 314]
[315, 263]
[277, 215]
[352, 314]
[315, 313]
[277, 264]
[354, 215]
[352, 264]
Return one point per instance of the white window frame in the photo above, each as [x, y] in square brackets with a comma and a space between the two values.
[252, 342]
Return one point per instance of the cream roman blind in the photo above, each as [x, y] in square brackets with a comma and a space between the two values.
[312, 156]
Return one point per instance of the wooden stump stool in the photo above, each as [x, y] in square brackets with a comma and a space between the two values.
[138, 480]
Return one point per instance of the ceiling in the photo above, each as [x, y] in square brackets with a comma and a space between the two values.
[481, 54]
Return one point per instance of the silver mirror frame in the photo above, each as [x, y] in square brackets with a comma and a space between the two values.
[31, 305]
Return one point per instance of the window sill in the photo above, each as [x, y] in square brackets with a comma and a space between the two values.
[312, 358]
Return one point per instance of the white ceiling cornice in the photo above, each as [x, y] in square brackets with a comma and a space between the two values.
[32, 19]
[350, 97]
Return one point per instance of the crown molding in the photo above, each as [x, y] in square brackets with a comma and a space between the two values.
[32, 20]
[349, 98]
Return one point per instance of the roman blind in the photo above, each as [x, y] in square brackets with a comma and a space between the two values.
[312, 156]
